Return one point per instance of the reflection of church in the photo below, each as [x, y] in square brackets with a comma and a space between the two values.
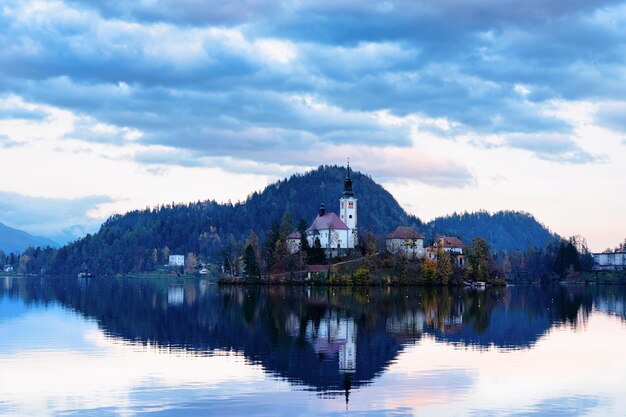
[333, 336]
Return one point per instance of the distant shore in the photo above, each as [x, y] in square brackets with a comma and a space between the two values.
[328, 277]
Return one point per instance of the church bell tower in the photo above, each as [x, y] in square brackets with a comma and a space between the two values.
[348, 209]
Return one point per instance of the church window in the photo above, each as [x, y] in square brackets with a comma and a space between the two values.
[350, 204]
[350, 216]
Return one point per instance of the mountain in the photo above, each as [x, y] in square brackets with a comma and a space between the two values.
[142, 239]
[504, 230]
[15, 240]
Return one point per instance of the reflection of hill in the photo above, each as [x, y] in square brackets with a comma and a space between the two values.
[516, 319]
[326, 338]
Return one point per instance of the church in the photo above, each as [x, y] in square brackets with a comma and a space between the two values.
[337, 233]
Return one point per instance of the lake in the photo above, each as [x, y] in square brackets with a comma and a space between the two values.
[177, 347]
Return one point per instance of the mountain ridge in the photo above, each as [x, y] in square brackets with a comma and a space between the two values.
[16, 240]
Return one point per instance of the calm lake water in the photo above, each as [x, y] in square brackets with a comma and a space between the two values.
[186, 347]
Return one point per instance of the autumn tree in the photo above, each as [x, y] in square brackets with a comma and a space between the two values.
[191, 263]
[428, 272]
[368, 243]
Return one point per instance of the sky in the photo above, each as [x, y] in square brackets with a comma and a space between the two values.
[108, 106]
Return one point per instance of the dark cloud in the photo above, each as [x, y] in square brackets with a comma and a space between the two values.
[191, 12]
[194, 77]
[61, 220]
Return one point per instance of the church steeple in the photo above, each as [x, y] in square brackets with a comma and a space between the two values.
[347, 183]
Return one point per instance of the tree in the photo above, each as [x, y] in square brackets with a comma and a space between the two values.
[304, 240]
[272, 236]
[566, 256]
[368, 243]
[286, 225]
[191, 263]
[24, 260]
[317, 252]
[444, 267]
[250, 266]
[165, 255]
[428, 273]
[479, 260]
[226, 268]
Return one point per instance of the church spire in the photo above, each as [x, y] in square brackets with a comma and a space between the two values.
[347, 184]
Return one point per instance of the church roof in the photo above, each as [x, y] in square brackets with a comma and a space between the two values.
[405, 232]
[328, 221]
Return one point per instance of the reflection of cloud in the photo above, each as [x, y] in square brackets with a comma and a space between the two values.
[45, 379]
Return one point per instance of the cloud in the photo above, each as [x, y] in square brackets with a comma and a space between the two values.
[248, 80]
[612, 115]
[195, 12]
[557, 148]
[61, 220]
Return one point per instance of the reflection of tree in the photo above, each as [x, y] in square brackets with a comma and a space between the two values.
[268, 324]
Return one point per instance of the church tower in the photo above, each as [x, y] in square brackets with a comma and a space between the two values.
[348, 209]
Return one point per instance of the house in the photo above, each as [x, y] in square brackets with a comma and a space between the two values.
[7, 268]
[405, 240]
[609, 261]
[337, 234]
[293, 242]
[176, 260]
[450, 245]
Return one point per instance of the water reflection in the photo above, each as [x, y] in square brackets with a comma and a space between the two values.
[181, 346]
[327, 339]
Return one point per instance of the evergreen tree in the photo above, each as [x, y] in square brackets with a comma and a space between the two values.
[305, 249]
[226, 267]
[479, 260]
[251, 268]
[317, 252]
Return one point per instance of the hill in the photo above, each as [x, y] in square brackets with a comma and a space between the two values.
[142, 239]
[504, 230]
[15, 240]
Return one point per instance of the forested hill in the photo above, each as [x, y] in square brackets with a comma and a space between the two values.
[141, 239]
[504, 230]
